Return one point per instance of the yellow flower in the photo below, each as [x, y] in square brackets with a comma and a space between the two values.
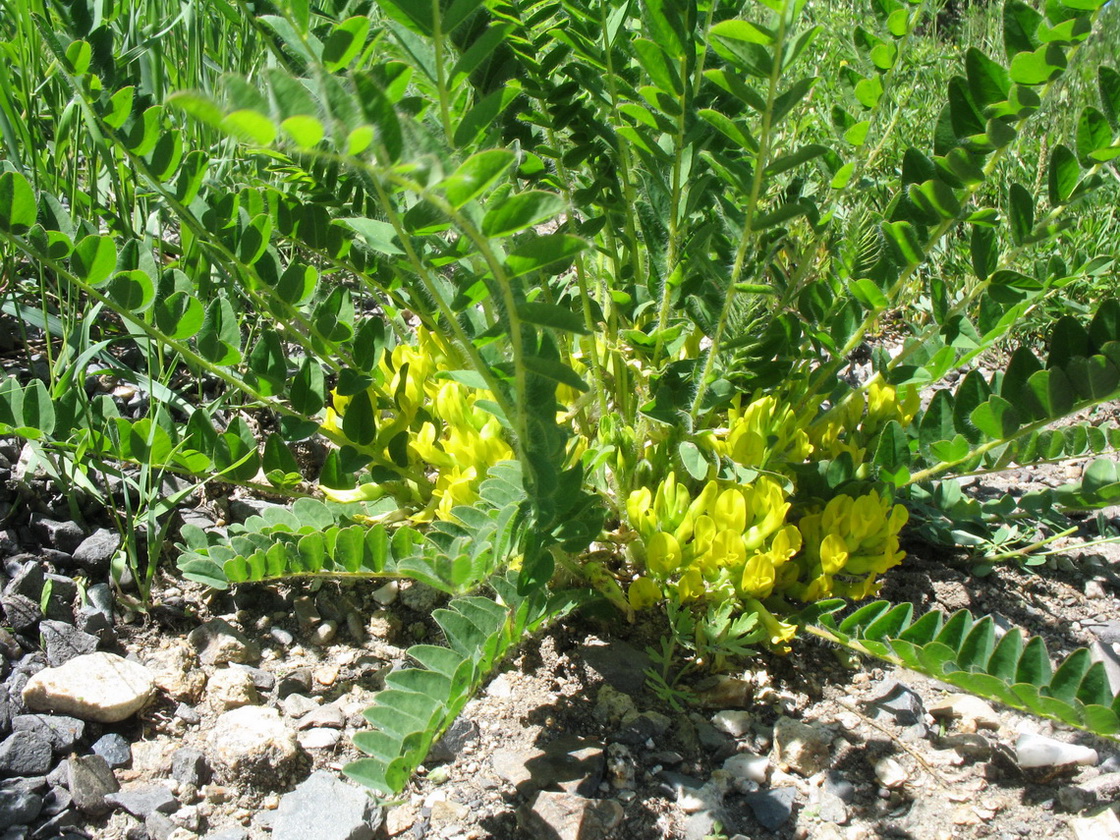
[643, 593]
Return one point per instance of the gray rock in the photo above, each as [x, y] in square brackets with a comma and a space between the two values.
[187, 714]
[62, 642]
[114, 748]
[25, 754]
[60, 731]
[65, 535]
[189, 767]
[100, 687]
[95, 553]
[319, 738]
[354, 815]
[91, 780]
[218, 643]
[143, 800]
[701, 826]
[1107, 632]
[772, 808]
[159, 826]
[229, 834]
[574, 764]
[566, 816]
[900, 702]
[19, 807]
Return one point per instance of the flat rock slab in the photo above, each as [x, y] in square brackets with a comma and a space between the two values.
[91, 780]
[101, 687]
[353, 815]
[142, 800]
[568, 816]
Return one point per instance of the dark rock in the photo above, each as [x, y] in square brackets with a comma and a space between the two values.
[838, 786]
[354, 816]
[95, 553]
[189, 767]
[60, 731]
[57, 800]
[639, 728]
[623, 666]
[59, 827]
[19, 807]
[460, 733]
[9, 542]
[114, 748]
[63, 642]
[99, 599]
[61, 593]
[57, 559]
[262, 680]
[711, 740]
[21, 612]
[27, 580]
[9, 647]
[900, 702]
[25, 754]
[297, 682]
[772, 808]
[65, 535]
[5, 711]
[141, 801]
[91, 780]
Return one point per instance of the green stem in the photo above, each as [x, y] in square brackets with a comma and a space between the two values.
[761, 160]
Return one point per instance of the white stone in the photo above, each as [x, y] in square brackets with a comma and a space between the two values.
[890, 773]
[252, 744]
[101, 687]
[176, 672]
[746, 766]
[230, 688]
[1102, 826]
[319, 738]
[973, 712]
[800, 747]
[734, 722]
[1039, 751]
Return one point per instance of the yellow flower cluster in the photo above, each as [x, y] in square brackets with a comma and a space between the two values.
[731, 541]
[451, 439]
[848, 545]
[763, 431]
[848, 427]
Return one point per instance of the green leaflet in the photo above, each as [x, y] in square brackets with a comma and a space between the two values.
[965, 652]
